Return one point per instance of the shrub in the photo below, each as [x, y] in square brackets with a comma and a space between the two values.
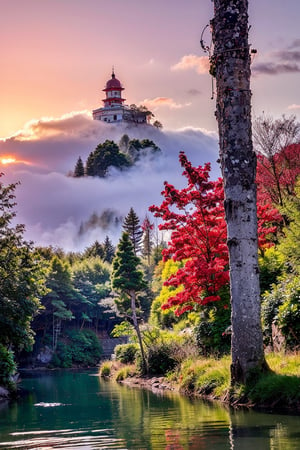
[211, 337]
[210, 333]
[271, 265]
[160, 359]
[7, 367]
[277, 390]
[105, 369]
[79, 348]
[125, 372]
[204, 376]
[126, 353]
[282, 307]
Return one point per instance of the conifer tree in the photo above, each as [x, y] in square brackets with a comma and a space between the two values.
[79, 168]
[147, 228]
[128, 280]
[96, 249]
[132, 226]
[108, 250]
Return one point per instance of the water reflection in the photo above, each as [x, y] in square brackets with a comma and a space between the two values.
[78, 411]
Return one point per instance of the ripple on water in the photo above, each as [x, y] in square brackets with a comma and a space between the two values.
[84, 439]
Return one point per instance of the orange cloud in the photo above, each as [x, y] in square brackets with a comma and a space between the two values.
[188, 62]
[48, 127]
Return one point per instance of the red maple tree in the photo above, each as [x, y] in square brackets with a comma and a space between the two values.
[195, 217]
[277, 174]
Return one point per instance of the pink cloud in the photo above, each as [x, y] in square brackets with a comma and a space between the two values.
[188, 62]
[163, 101]
[293, 106]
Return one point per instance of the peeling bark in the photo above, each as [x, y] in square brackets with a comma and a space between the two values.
[231, 60]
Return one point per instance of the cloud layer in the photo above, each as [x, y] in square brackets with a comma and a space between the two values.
[56, 208]
[280, 62]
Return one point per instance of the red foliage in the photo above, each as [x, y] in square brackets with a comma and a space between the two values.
[277, 174]
[195, 216]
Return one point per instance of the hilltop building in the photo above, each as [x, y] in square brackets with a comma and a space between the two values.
[114, 109]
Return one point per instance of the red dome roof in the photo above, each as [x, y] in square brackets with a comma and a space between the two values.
[113, 83]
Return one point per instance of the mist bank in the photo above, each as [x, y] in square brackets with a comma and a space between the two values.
[57, 209]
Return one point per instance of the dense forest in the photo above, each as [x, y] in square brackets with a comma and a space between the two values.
[171, 299]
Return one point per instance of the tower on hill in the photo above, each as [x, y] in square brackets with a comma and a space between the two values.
[114, 109]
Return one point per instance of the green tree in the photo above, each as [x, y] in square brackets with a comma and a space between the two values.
[108, 250]
[132, 226]
[79, 168]
[147, 228]
[92, 280]
[140, 148]
[128, 280]
[96, 249]
[22, 280]
[105, 155]
[60, 301]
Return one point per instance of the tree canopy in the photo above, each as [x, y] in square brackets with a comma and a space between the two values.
[22, 277]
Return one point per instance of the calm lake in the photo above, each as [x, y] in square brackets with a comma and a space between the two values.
[76, 410]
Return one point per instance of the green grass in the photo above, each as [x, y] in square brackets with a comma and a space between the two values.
[116, 370]
[105, 369]
[280, 387]
[284, 364]
[275, 390]
[211, 377]
[203, 376]
[125, 372]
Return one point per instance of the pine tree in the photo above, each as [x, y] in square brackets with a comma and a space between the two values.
[128, 280]
[230, 63]
[147, 228]
[79, 168]
[108, 250]
[132, 226]
[96, 249]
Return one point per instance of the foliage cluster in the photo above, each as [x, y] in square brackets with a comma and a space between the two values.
[196, 218]
[109, 155]
[77, 348]
[126, 353]
[7, 367]
[21, 284]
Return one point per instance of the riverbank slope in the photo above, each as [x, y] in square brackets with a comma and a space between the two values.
[210, 378]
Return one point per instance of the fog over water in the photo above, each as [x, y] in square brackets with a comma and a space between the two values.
[56, 207]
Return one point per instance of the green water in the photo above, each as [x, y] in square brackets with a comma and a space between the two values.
[77, 410]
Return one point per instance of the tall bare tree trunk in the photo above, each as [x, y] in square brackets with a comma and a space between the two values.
[231, 65]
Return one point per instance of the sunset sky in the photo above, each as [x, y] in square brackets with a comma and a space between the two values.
[56, 58]
[57, 55]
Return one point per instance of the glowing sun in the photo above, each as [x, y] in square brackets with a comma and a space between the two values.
[7, 159]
